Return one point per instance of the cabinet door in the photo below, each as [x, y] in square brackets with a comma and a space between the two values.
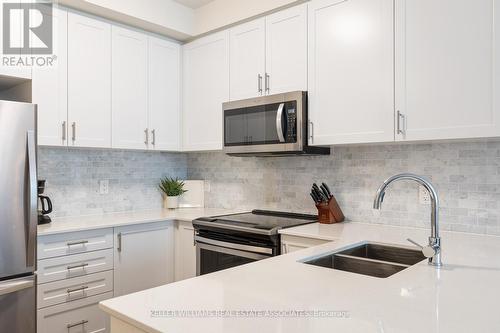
[351, 94]
[447, 77]
[129, 89]
[185, 251]
[206, 87]
[286, 50]
[164, 94]
[247, 60]
[89, 81]
[144, 257]
[50, 88]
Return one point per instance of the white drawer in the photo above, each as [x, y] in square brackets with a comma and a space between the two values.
[75, 242]
[67, 291]
[66, 267]
[83, 316]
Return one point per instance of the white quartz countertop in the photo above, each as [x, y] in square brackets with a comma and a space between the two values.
[462, 296]
[80, 223]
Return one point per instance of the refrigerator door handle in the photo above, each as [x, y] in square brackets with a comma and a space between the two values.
[32, 203]
[9, 287]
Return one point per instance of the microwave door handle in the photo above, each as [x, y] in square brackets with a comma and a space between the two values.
[279, 127]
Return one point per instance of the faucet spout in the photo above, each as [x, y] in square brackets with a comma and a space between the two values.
[434, 239]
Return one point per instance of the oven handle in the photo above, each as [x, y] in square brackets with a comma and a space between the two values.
[279, 126]
[238, 253]
[241, 247]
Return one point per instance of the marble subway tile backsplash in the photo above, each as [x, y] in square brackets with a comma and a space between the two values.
[466, 174]
[73, 176]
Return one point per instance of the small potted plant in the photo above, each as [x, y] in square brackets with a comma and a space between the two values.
[172, 189]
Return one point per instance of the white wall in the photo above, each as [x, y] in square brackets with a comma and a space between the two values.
[220, 13]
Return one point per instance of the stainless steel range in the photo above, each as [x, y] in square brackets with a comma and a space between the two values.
[232, 240]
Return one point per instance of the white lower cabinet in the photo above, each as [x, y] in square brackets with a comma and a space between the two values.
[185, 251]
[143, 257]
[295, 243]
[82, 316]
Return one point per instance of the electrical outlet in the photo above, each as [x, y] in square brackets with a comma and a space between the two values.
[423, 196]
[104, 186]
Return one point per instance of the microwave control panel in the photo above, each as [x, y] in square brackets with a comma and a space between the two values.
[291, 133]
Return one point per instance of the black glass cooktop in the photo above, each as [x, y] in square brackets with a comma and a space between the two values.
[268, 221]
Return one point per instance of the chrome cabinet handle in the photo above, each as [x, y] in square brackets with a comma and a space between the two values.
[153, 134]
[401, 123]
[311, 132]
[279, 127]
[77, 266]
[146, 131]
[64, 131]
[73, 128]
[32, 195]
[80, 323]
[194, 237]
[259, 79]
[79, 289]
[119, 247]
[268, 88]
[77, 243]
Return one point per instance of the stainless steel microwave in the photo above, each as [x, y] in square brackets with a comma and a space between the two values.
[268, 125]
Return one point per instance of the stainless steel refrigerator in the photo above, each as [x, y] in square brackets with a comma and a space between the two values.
[18, 217]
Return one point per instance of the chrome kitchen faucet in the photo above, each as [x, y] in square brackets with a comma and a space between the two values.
[433, 250]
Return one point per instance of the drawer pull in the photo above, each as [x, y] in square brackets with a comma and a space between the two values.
[82, 266]
[77, 243]
[82, 289]
[80, 323]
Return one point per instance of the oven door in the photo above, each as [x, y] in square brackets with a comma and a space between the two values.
[214, 255]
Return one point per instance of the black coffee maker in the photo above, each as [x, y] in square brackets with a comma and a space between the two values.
[45, 206]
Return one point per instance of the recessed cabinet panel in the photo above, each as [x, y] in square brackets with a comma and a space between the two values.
[130, 89]
[50, 88]
[164, 94]
[89, 82]
[351, 94]
[447, 69]
[286, 51]
[206, 87]
[248, 60]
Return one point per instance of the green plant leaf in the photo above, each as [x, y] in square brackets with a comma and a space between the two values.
[172, 187]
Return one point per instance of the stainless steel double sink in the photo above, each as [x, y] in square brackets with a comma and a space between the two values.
[373, 259]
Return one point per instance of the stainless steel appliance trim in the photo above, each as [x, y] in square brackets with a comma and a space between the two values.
[235, 227]
[33, 192]
[12, 286]
[243, 254]
[279, 125]
[235, 246]
[80, 323]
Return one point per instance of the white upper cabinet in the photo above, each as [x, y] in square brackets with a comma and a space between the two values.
[286, 50]
[206, 87]
[248, 59]
[49, 88]
[129, 89]
[89, 81]
[164, 94]
[447, 76]
[351, 94]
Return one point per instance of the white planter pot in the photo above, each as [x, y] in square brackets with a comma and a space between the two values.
[171, 202]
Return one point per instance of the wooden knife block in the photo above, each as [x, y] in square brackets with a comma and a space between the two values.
[329, 213]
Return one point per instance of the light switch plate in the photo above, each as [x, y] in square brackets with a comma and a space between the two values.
[104, 186]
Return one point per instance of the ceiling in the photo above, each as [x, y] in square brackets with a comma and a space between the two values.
[193, 3]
